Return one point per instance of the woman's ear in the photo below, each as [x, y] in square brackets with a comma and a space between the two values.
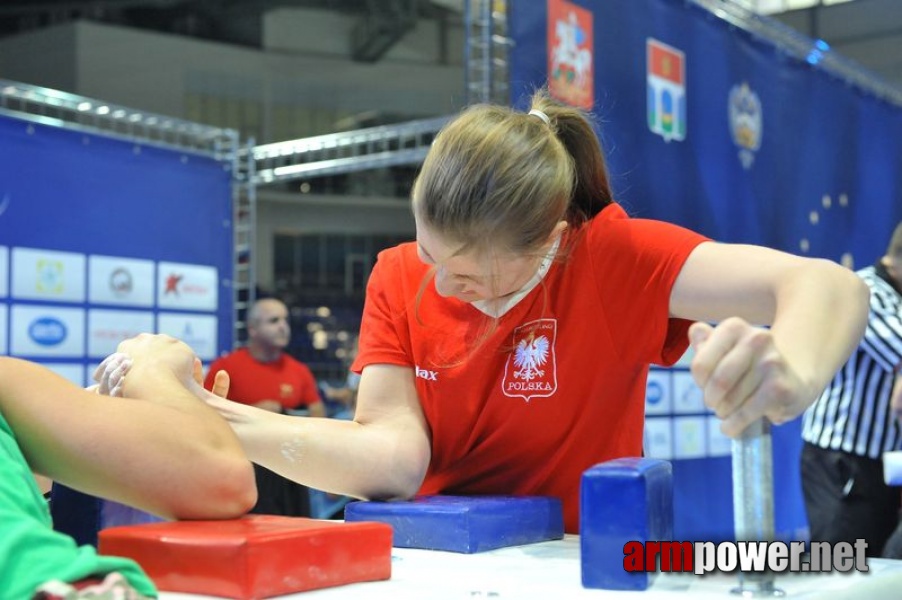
[557, 231]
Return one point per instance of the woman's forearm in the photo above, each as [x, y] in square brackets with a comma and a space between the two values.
[822, 312]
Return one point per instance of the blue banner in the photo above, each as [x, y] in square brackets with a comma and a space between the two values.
[101, 239]
[720, 130]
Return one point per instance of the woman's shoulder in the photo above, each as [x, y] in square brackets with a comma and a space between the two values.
[400, 252]
[611, 227]
[614, 227]
[399, 261]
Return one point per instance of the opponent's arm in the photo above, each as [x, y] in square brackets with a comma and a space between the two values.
[162, 451]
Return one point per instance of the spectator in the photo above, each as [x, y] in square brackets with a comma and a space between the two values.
[263, 374]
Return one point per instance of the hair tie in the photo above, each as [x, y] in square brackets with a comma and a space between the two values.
[538, 113]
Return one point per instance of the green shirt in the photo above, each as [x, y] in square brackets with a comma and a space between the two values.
[31, 552]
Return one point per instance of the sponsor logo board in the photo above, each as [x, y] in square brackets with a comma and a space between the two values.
[106, 328]
[47, 331]
[121, 281]
[198, 331]
[187, 287]
[48, 275]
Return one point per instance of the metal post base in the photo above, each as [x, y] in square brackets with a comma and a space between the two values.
[757, 589]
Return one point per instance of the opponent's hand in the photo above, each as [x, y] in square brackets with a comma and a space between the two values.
[160, 351]
[744, 376]
[110, 374]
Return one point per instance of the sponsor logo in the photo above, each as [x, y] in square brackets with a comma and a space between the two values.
[113, 334]
[47, 331]
[50, 276]
[189, 337]
[172, 284]
[198, 331]
[176, 284]
[745, 122]
[531, 369]
[654, 393]
[426, 374]
[666, 76]
[121, 283]
[187, 286]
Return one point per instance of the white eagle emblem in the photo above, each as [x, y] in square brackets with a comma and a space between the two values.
[530, 356]
[531, 367]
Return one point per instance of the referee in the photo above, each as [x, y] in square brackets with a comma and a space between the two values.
[852, 423]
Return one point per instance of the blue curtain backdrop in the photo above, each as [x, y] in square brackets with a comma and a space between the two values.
[817, 172]
[74, 192]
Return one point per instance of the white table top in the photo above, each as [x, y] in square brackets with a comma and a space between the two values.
[552, 570]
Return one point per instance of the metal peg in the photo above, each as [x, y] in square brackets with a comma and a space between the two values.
[753, 502]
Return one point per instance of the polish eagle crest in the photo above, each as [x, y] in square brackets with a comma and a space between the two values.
[530, 356]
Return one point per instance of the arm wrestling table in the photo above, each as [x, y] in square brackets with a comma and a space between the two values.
[549, 570]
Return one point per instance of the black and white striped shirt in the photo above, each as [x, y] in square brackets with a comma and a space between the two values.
[853, 414]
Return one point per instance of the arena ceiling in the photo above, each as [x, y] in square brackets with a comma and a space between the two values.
[380, 22]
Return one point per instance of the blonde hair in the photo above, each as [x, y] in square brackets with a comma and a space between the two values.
[501, 178]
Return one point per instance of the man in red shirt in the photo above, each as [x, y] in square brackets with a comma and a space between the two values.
[263, 375]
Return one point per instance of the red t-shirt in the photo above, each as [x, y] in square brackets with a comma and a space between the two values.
[525, 404]
[287, 380]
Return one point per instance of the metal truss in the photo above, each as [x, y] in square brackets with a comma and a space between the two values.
[62, 109]
[345, 152]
